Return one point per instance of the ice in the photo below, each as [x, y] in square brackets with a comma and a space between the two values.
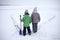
[48, 28]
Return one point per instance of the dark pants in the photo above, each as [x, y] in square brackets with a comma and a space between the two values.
[24, 31]
[34, 27]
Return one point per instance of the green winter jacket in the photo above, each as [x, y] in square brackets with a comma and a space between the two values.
[26, 20]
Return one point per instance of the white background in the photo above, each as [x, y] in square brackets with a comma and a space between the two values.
[48, 28]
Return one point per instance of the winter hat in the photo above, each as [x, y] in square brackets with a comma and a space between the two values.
[26, 12]
[35, 10]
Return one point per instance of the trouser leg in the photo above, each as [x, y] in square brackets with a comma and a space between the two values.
[29, 31]
[24, 31]
[34, 27]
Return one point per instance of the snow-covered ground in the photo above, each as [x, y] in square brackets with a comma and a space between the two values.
[48, 28]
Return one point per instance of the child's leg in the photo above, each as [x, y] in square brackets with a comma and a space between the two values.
[24, 31]
[34, 27]
[29, 31]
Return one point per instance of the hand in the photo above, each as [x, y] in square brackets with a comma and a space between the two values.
[20, 16]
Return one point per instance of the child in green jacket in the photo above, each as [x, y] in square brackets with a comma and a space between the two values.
[26, 23]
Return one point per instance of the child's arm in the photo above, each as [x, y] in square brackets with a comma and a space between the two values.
[22, 20]
[30, 20]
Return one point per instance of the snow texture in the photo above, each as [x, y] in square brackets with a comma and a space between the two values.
[48, 28]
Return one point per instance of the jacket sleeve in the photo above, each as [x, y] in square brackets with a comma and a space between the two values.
[22, 19]
[30, 20]
[31, 16]
[39, 17]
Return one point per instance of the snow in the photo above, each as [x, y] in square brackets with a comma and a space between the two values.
[48, 28]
